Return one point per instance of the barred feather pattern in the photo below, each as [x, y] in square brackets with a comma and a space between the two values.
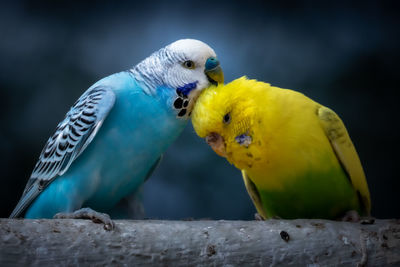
[72, 135]
[151, 71]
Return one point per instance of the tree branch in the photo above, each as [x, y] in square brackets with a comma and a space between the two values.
[204, 243]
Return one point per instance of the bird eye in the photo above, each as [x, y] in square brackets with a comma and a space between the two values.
[188, 64]
[227, 118]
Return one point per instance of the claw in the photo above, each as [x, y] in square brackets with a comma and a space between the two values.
[351, 216]
[367, 220]
[258, 217]
[88, 213]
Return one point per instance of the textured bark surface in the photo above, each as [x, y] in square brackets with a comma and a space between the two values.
[199, 243]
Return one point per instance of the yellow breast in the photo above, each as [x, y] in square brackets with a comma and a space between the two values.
[287, 139]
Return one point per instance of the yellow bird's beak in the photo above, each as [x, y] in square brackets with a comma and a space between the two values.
[214, 71]
[217, 143]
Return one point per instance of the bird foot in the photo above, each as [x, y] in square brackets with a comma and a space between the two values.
[258, 217]
[367, 220]
[351, 216]
[88, 213]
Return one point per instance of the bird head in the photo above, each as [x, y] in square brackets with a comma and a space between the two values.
[179, 72]
[224, 115]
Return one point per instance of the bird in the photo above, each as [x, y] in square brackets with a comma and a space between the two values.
[114, 135]
[296, 157]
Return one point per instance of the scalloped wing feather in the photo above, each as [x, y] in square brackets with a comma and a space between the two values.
[71, 137]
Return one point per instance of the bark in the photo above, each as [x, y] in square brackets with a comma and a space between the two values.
[199, 243]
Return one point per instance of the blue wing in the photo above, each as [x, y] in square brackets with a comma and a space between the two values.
[70, 139]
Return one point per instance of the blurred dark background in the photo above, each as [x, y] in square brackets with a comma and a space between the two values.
[343, 55]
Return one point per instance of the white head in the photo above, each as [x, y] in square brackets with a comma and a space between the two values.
[186, 66]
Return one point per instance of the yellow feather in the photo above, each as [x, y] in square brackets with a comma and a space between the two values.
[291, 135]
[346, 153]
[254, 195]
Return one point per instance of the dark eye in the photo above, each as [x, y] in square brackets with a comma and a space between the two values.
[188, 64]
[227, 118]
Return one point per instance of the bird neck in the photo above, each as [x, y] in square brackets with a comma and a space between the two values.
[151, 71]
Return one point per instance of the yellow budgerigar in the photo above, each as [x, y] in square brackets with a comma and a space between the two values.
[296, 156]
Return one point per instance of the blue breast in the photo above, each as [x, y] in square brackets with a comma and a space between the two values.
[138, 129]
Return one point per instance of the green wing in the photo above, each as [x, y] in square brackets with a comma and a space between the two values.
[346, 154]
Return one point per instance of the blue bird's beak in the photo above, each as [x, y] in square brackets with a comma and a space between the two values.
[214, 71]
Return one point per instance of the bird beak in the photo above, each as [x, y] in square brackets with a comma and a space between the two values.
[217, 143]
[214, 71]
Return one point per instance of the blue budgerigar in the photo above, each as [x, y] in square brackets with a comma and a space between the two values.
[114, 135]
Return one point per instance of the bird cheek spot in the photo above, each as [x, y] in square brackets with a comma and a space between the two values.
[243, 140]
[182, 102]
[185, 90]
